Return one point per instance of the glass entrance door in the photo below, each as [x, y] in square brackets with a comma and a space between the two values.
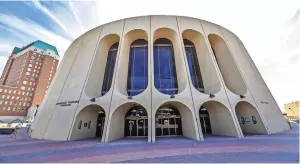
[165, 127]
[205, 124]
[136, 127]
[168, 126]
[100, 127]
[136, 122]
[142, 127]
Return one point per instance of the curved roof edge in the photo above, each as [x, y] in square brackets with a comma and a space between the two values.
[155, 15]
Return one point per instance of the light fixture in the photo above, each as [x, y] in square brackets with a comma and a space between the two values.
[129, 97]
[93, 100]
[211, 95]
[242, 96]
[172, 96]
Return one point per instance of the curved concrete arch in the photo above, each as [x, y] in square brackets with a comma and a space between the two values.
[92, 105]
[209, 74]
[123, 65]
[95, 80]
[188, 119]
[172, 35]
[86, 116]
[221, 119]
[228, 68]
[116, 122]
[249, 118]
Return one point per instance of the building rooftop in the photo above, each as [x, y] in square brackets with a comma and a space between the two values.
[39, 44]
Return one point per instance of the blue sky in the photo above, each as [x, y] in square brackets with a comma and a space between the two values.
[269, 29]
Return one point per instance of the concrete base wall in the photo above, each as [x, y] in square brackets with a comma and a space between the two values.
[87, 116]
[247, 111]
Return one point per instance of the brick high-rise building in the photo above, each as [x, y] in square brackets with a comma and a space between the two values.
[26, 78]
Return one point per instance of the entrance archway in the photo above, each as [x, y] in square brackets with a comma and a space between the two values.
[128, 120]
[136, 122]
[174, 119]
[216, 119]
[89, 123]
[168, 121]
[249, 119]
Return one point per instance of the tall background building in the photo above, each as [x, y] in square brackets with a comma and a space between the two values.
[292, 110]
[25, 79]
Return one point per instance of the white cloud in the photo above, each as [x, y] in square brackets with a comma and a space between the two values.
[61, 14]
[6, 48]
[46, 11]
[282, 75]
[3, 60]
[36, 31]
[87, 13]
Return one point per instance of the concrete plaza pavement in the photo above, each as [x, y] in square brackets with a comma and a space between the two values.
[278, 148]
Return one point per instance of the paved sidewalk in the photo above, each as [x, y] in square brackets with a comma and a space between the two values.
[280, 148]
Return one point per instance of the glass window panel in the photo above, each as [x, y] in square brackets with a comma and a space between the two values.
[109, 70]
[165, 79]
[193, 64]
[138, 67]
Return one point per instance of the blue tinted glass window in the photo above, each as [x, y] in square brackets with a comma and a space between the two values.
[109, 69]
[193, 63]
[137, 80]
[165, 79]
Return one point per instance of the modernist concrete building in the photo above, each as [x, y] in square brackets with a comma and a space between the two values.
[155, 76]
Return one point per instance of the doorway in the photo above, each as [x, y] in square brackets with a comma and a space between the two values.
[100, 124]
[205, 121]
[168, 122]
[136, 122]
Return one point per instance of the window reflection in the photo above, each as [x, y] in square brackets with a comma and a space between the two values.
[137, 80]
[168, 122]
[193, 64]
[165, 79]
[109, 69]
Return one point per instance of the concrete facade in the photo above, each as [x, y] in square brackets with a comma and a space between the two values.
[234, 95]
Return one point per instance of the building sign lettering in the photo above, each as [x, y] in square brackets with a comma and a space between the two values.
[67, 103]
